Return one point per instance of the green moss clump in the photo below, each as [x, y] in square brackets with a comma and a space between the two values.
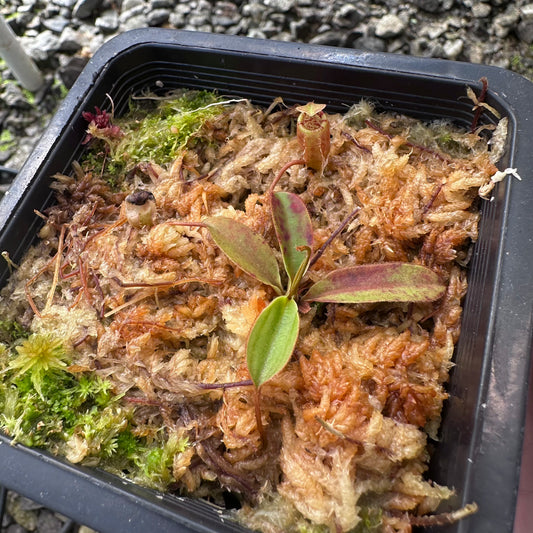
[153, 130]
[159, 136]
[371, 520]
[11, 331]
[43, 404]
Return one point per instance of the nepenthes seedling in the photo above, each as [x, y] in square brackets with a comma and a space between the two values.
[273, 336]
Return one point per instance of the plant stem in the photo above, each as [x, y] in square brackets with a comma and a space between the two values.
[342, 225]
[481, 99]
[282, 171]
[259, 421]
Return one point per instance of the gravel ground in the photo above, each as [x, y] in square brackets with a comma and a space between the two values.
[60, 35]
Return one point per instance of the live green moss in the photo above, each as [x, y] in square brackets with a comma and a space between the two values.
[161, 135]
[153, 130]
[43, 404]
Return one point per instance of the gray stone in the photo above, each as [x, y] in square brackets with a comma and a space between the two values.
[70, 41]
[108, 21]
[130, 13]
[64, 3]
[370, 43]
[130, 4]
[47, 522]
[525, 31]
[389, 26]
[431, 6]
[225, 14]
[176, 20]
[481, 11]
[503, 23]
[526, 12]
[42, 46]
[132, 23]
[17, 159]
[452, 49]
[13, 97]
[255, 33]
[157, 17]
[329, 38]
[434, 31]
[85, 8]
[49, 11]
[55, 24]
[299, 29]
[71, 70]
[23, 511]
[254, 11]
[347, 16]
[280, 5]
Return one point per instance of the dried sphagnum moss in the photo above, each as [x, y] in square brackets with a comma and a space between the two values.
[162, 316]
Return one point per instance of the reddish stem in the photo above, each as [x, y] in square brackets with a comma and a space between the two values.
[481, 98]
[356, 142]
[231, 385]
[282, 171]
[342, 225]
[436, 192]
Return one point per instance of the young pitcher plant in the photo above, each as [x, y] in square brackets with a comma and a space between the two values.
[275, 331]
[273, 336]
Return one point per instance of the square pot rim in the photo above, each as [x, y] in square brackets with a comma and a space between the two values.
[511, 326]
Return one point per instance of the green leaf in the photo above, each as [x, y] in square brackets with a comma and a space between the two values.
[294, 230]
[272, 339]
[246, 249]
[383, 282]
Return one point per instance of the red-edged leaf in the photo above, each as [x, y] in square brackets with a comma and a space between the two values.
[382, 282]
[293, 229]
[246, 249]
[272, 339]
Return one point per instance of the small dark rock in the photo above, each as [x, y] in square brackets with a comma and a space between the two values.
[225, 14]
[19, 22]
[13, 97]
[348, 16]
[280, 5]
[300, 29]
[157, 17]
[49, 11]
[85, 8]
[70, 72]
[55, 24]
[369, 43]
[107, 22]
[329, 38]
[431, 6]
[134, 22]
[130, 4]
[42, 47]
[64, 3]
[524, 31]
[48, 522]
[69, 41]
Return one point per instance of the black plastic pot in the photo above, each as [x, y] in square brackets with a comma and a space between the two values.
[480, 447]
